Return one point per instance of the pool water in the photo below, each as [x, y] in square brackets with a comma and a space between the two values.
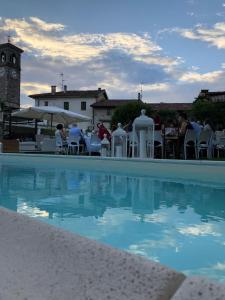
[177, 223]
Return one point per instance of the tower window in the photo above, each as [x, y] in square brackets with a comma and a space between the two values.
[3, 57]
[66, 105]
[108, 112]
[83, 105]
[14, 59]
[46, 103]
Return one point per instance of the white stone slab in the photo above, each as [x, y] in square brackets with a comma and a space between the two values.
[41, 262]
[197, 288]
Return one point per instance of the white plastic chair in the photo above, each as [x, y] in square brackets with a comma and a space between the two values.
[93, 144]
[74, 144]
[158, 141]
[190, 141]
[205, 143]
[220, 144]
[132, 141]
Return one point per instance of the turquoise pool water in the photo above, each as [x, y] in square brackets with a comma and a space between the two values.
[177, 223]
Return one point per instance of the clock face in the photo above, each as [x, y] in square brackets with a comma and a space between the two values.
[2, 72]
[13, 74]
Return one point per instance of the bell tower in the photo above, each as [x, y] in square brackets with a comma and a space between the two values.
[10, 68]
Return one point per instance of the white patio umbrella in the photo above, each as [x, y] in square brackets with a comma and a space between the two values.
[52, 114]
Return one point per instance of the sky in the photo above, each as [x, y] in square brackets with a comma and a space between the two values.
[169, 50]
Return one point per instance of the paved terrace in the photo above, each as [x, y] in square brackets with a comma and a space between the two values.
[41, 262]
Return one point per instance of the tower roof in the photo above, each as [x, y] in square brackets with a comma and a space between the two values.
[9, 45]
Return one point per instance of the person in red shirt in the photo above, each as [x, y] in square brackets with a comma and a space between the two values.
[103, 130]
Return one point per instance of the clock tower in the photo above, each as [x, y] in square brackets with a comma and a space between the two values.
[10, 68]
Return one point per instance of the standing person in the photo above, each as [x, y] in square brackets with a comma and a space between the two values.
[157, 122]
[183, 124]
[208, 126]
[103, 130]
[61, 139]
[128, 127]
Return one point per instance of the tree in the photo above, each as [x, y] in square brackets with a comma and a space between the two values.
[166, 115]
[214, 111]
[128, 112]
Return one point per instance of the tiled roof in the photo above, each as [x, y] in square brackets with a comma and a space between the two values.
[155, 106]
[171, 106]
[71, 94]
[112, 103]
[216, 93]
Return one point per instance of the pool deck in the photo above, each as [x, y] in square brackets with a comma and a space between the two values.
[41, 262]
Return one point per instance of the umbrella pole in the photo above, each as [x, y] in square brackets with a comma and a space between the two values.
[51, 120]
[35, 128]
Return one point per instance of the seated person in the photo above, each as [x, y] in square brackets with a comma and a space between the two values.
[170, 130]
[196, 127]
[76, 133]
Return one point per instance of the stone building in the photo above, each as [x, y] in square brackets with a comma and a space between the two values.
[10, 69]
[103, 110]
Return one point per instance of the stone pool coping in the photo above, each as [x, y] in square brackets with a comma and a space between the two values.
[41, 262]
[190, 170]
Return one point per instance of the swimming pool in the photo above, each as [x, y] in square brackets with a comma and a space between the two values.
[175, 220]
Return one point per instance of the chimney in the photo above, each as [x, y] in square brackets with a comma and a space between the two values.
[53, 89]
[99, 89]
[65, 88]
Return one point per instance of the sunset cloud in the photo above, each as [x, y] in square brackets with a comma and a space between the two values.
[49, 40]
[29, 88]
[214, 36]
[191, 77]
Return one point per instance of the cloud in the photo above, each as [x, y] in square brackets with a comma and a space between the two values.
[49, 39]
[46, 26]
[199, 230]
[118, 62]
[191, 77]
[214, 36]
[29, 88]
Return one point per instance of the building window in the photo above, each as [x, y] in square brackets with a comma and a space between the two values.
[46, 103]
[66, 105]
[108, 112]
[3, 57]
[83, 105]
[12, 59]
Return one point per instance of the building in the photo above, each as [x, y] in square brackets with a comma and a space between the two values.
[10, 68]
[103, 110]
[76, 101]
[212, 96]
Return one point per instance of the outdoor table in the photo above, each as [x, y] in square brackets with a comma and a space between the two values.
[175, 142]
